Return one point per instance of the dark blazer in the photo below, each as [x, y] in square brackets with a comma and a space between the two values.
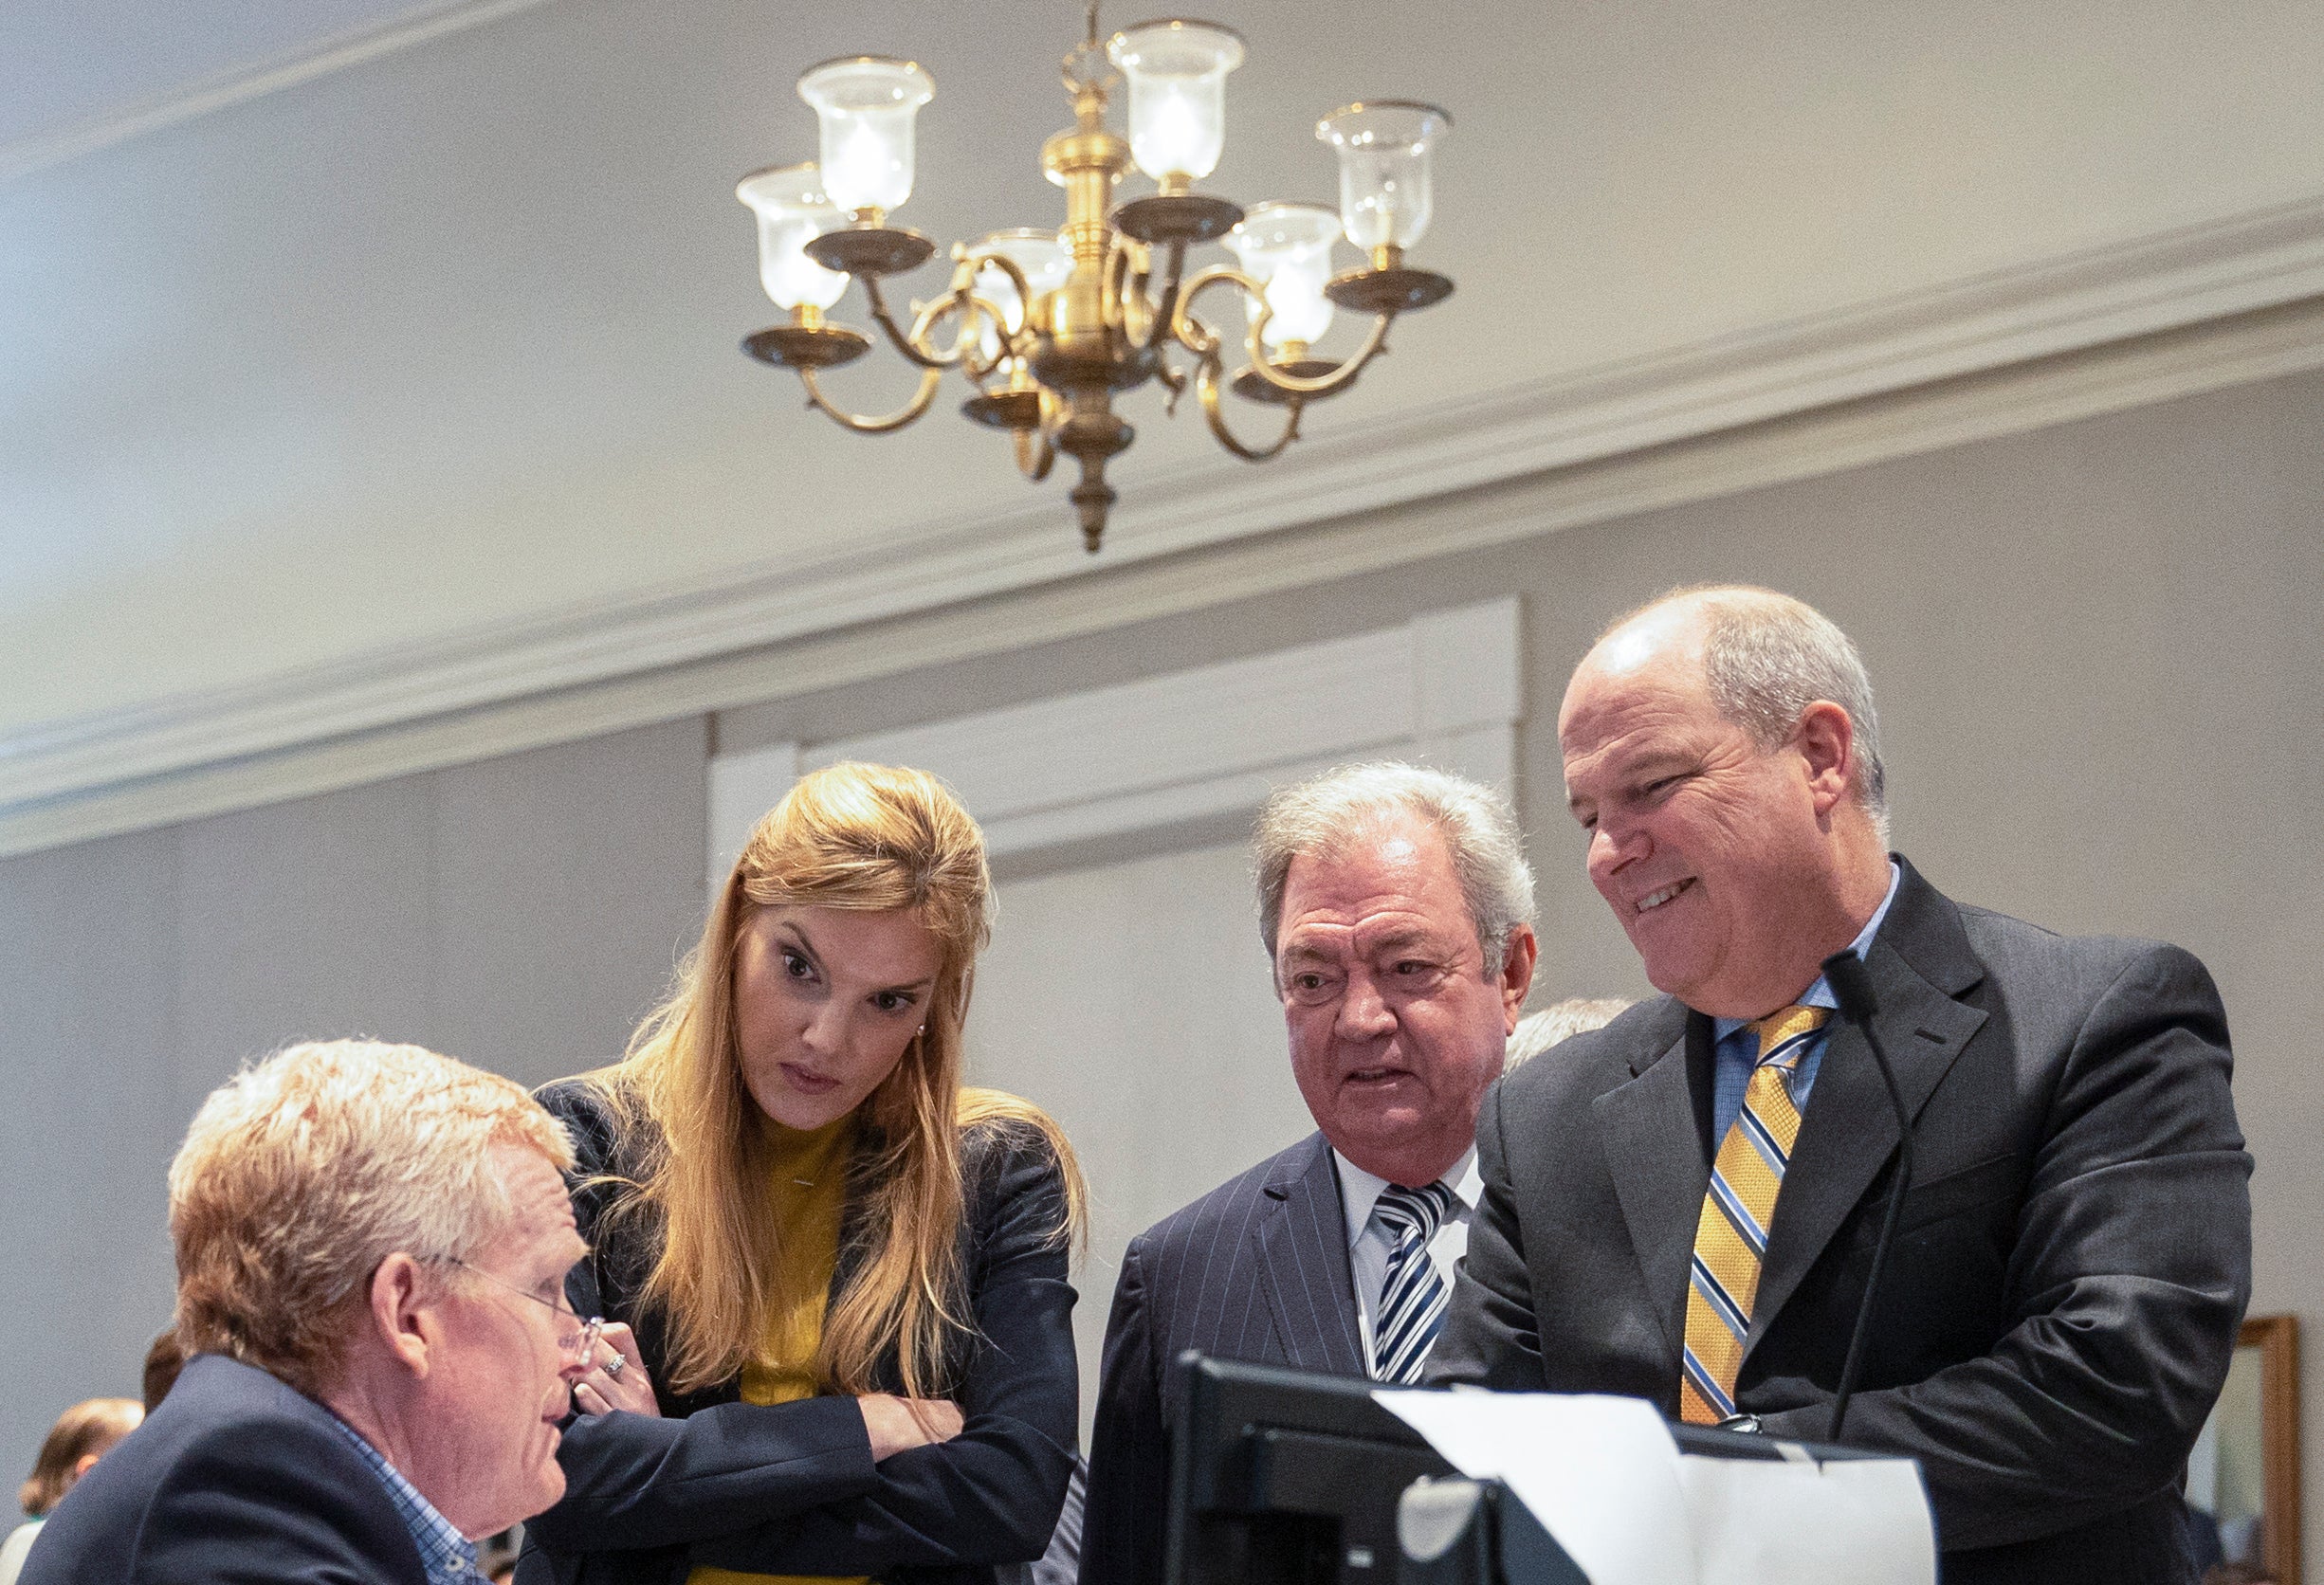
[1256, 1269]
[2071, 1262]
[791, 1489]
[236, 1476]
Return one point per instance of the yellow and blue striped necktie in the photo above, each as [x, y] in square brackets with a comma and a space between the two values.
[1730, 1239]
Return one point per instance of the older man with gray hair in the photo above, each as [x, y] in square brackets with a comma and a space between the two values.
[1396, 907]
[371, 1246]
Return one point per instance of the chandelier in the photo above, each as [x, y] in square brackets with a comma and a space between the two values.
[1048, 326]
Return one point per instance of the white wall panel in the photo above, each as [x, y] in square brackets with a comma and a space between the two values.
[1131, 1002]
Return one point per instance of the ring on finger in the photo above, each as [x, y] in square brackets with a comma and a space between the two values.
[614, 1366]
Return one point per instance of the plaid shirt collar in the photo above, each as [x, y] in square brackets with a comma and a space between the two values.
[448, 1556]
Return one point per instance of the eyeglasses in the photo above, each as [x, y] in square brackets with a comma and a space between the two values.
[580, 1344]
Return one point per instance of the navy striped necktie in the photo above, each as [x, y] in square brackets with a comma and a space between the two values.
[1413, 1296]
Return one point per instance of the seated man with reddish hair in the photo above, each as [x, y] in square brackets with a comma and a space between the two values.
[371, 1246]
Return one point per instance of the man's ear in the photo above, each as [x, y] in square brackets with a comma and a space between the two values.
[403, 1303]
[1517, 975]
[1825, 738]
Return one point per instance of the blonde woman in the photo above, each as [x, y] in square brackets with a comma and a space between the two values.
[840, 1340]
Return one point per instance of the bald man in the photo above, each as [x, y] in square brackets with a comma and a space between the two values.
[1682, 1207]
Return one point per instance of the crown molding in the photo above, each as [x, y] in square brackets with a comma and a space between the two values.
[24, 155]
[2190, 310]
[1443, 687]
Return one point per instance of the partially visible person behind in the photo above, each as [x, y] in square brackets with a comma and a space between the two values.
[163, 1360]
[1537, 1031]
[1396, 908]
[371, 1245]
[847, 1275]
[82, 1435]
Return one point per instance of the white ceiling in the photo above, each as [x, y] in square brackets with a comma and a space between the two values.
[73, 62]
[443, 339]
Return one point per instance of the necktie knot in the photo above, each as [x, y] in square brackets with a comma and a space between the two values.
[1783, 1035]
[1402, 1209]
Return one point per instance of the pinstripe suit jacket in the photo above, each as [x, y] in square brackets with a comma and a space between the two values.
[1257, 1269]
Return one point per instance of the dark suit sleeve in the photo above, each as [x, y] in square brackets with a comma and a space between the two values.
[1490, 1336]
[992, 1494]
[634, 1482]
[1123, 1522]
[2129, 1272]
[289, 1506]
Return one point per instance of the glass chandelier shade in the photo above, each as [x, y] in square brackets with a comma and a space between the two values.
[1287, 249]
[1384, 148]
[1178, 94]
[1041, 258]
[792, 211]
[867, 105]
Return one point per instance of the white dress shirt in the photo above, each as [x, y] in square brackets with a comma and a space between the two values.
[1368, 1240]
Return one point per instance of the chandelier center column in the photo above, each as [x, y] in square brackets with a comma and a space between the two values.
[1080, 351]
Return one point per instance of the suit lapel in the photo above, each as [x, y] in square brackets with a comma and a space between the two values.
[1647, 1129]
[1301, 1233]
[1918, 963]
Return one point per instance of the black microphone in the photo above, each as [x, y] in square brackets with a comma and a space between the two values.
[1851, 986]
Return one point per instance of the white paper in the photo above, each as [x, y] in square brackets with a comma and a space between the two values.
[1601, 1473]
[1847, 1522]
[1604, 1478]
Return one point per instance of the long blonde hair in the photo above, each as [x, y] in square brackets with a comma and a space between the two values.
[859, 837]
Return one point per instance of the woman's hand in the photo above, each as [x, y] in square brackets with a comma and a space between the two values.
[626, 1386]
[898, 1424]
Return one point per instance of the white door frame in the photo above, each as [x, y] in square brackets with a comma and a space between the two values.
[1207, 742]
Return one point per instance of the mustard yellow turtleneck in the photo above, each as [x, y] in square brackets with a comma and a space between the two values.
[809, 1186]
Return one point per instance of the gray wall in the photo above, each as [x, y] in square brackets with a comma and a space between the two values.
[2100, 685]
[520, 912]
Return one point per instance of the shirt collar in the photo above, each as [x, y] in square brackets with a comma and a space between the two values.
[1360, 1190]
[1819, 994]
[448, 1556]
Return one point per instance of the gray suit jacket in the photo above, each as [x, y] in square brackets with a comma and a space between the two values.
[2069, 1269]
[1257, 1269]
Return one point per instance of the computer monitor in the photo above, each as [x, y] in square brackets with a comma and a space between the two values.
[1279, 1477]
[1283, 1478]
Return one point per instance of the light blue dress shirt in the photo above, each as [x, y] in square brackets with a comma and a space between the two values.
[1736, 1052]
[449, 1555]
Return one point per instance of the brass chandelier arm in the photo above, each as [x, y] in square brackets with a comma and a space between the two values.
[1206, 386]
[1166, 305]
[1190, 331]
[1131, 291]
[1319, 385]
[1173, 382]
[1018, 343]
[1035, 454]
[966, 348]
[914, 345]
[1204, 342]
[1120, 283]
[896, 338]
[885, 423]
